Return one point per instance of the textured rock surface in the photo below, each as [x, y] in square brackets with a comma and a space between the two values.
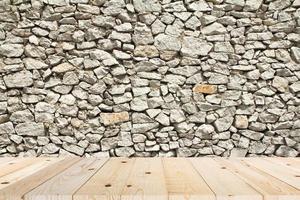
[150, 78]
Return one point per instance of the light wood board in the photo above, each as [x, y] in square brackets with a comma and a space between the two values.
[149, 178]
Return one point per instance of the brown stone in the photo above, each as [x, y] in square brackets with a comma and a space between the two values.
[146, 51]
[114, 118]
[205, 89]
[241, 121]
[63, 67]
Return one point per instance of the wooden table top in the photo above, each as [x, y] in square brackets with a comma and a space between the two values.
[150, 178]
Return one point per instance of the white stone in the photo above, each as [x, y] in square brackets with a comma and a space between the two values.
[281, 84]
[167, 43]
[213, 29]
[30, 129]
[199, 5]
[18, 79]
[11, 50]
[194, 46]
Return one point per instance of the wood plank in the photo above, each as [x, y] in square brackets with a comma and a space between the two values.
[16, 164]
[15, 185]
[184, 182]
[146, 181]
[290, 163]
[4, 160]
[24, 172]
[108, 182]
[271, 187]
[290, 176]
[65, 184]
[223, 183]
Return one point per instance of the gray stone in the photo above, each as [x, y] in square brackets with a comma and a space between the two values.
[279, 4]
[149, 6]
[281, 84]
[295, 52]
[223, 47]
[56, 2]
[11, 50]
[223, 124]
[174, 7]
[238, 152]
[227, 144]
[186, 152]
[109, 143]
[139, 103]
[50, 148]
[163, 119]
[252, 5]
[67, 99]
[44, 107]
[295, 87]
[177, 116]
[194, 46]
[123, 99]
[285, 151]
[252, 134]
[193, 23]
[138, 138]
[260, 36]
[3, 107]
[143, 128]
[31, 64]
[125, 139]
[16, 139]
[7, 128]
[13, 80]
[142, 35]
[206, 151]
[167, 43]
[67, 110]
[257, 147]
[30, 129]
[70, 78]
[266, 117]
[21, 116]
[205, 131]
[62, 68]
[236, 2]
[296, 3]
[200, 5]
[114, 7]
[73, 148]
[124, 151]
[214, 29]
[265, 92]
[218, 79]
[121, 55]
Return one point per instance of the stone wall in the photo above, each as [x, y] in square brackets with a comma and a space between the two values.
[149, 77]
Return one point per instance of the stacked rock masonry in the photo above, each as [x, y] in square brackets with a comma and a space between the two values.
[150, 77]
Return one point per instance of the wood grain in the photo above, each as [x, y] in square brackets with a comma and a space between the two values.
[108, 183]
[225, 184]
[65, 184]
[146, 181]
[290, 176]
[28, 178]
[270, 187]
[16, 164]
[184, 182]
[77, 178]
